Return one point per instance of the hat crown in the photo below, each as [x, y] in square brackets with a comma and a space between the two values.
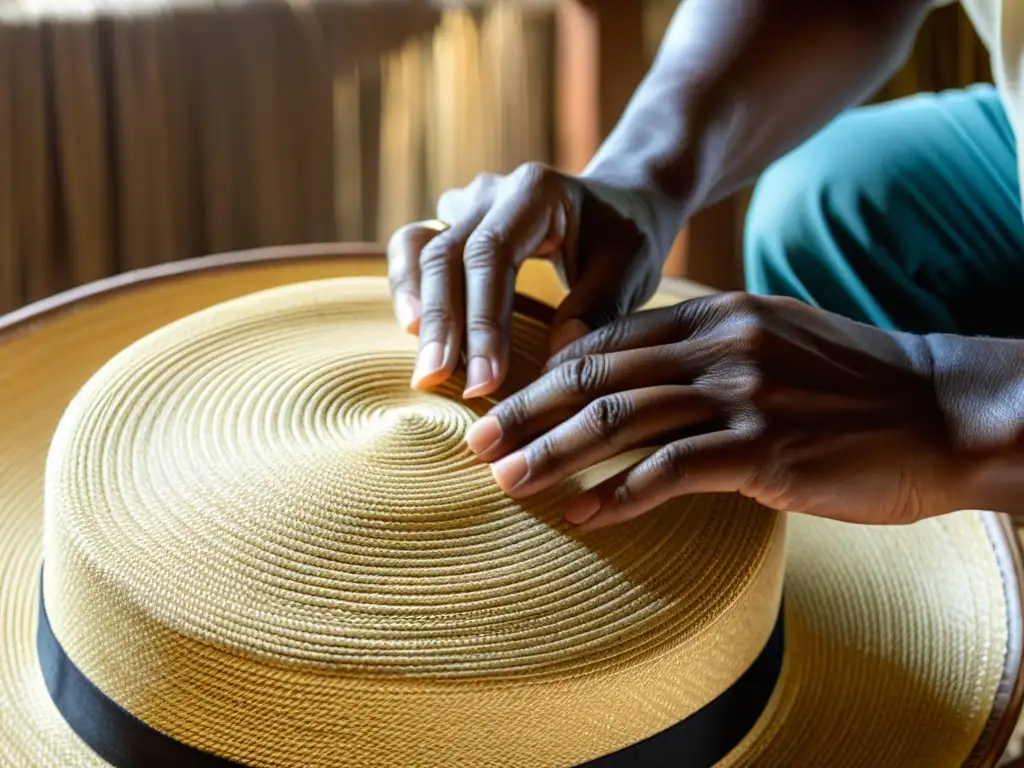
[256, 488]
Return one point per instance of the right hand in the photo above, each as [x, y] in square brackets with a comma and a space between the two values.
[454, 284]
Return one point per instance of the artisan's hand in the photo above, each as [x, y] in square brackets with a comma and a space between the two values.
[795, 407]
[456, 282]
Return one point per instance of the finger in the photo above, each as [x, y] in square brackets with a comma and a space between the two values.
[715, 462]
[598, 297]
[561, 393]
[607, 427]
[650, 328]
[523, 222]
[441, 298]
[686, 320]
[606, 278]
[456, 204]
[404, 249]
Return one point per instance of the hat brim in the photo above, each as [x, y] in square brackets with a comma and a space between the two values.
[903, 645]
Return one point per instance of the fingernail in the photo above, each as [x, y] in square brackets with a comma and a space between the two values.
[429, 363]
[479, 377]
[483, 433]
[510, 471]
[566, 334]
[407, 310]
[582, 508]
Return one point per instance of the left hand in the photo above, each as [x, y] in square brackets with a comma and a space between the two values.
[795, 407]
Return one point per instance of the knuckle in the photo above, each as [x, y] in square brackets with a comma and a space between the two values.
[623, 495]
[737, 302]
[482, 325]
[698, 316]
[608, 336]
[738, 312]
[456, 203]
[483, 181]
[543, 455]
[435, 321]
[681, 315]
[439, 254]
[746, 348]
[406, 243]
[400, 238]
[402, 282]
[743, 389]
[534, 174]
[753, 431]
[671, 463]
[751, 385]
[604, 417]
[482, 250]
[790, 302]
[584, 375]
[513, 412]
[451, 205]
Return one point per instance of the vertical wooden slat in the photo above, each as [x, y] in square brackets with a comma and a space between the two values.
[159, 133]
[348, 154]
[151, 135]
[11, 264]
[461, 128]
[370, 104]
[515, 69]
[206, 34]
[131, 104]
[32, 161]
[271, 110]
[578, 65]
[603, 51]
[82, 136]
[402, 137]
[505, 92]
[174, 185]
[601, 61]
[155, 56]
[538, 33]
[315, 144]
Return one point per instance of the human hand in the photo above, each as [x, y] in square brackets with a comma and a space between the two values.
[797, 408]
[458, 281]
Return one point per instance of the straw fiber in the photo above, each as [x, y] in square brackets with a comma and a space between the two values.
[259, 540]
[358, 558]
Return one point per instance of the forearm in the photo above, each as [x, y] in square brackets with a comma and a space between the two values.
[738, 83]
[980, 387]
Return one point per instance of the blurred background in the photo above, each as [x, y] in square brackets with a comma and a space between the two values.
[136, 132]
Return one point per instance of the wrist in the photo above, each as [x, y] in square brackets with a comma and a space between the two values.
[979, 386]
[637, 197]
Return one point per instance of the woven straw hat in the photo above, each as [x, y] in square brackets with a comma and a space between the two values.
[246, 541]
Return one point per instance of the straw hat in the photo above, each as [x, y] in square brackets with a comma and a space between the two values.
[258, 546]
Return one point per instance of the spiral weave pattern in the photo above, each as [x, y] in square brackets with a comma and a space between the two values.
[259, 479]
[897, 638]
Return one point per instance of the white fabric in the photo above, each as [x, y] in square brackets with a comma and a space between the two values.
[1000, 25]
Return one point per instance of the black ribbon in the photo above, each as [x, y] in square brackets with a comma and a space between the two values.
[124, 741]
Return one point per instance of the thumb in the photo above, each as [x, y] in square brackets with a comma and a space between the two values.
[609, 277]
[599, 296]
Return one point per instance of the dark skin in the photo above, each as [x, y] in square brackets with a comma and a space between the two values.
[798, 408]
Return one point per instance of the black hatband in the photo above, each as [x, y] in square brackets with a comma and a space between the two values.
[124, 741]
